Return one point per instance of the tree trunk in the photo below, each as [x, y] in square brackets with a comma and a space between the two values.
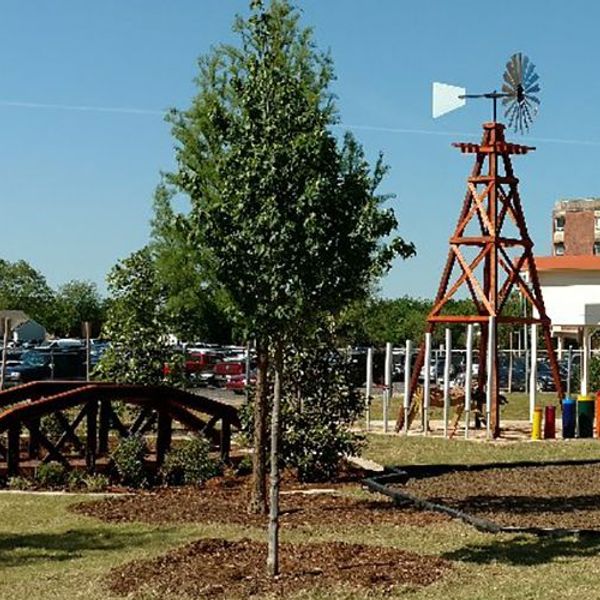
[258, 498]
[273, 553]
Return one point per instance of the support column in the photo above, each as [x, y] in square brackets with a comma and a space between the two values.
[585, 361]
[91, 445]
[533, 372]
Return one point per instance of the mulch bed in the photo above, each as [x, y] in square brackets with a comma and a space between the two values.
[556, 496]
[215, 568]
[225, 499]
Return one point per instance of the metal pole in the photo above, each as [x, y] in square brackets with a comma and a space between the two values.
[490, 377]
[87, 329]
[4, 350]
[569, 369]
[426, 383]
[510, 362]
[369, 389]
[533, 372]
[447, 363]
[387, 396]
[468, 378]
[407, 398]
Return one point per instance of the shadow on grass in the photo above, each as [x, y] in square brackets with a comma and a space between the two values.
[527, 550]
[19, 550]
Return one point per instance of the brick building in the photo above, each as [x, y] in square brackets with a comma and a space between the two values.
[576, 227]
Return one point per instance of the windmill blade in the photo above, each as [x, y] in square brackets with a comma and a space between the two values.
[446, 98]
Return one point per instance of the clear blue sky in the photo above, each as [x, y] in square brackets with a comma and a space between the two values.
[76, 185]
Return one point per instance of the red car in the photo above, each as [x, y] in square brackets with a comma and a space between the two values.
[237, 383]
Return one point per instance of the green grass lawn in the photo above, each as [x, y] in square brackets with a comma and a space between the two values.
[517, 407]
[47, 552]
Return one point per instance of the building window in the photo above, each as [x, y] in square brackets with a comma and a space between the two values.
[559, 223]
[596, 247]
[597, 223]
[559, 249]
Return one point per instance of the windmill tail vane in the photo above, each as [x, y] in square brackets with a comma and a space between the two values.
[519, 94]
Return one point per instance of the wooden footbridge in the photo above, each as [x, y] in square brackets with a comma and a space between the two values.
[88, 413]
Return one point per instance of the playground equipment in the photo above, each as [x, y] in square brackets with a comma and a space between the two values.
[92, 415]
[490, 247]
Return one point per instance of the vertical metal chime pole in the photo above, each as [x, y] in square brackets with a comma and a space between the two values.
[447, 363]
[468, 378]
[407, 374]
[4, 350]
[369, 388]
[87, 326]
[569, 369]
[510, 362]
[387, 396]
[490, 376]
[426, 386]
[533, 372]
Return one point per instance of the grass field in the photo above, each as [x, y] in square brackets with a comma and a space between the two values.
[517, 407]
[47, 552]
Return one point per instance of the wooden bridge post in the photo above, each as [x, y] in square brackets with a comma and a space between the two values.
[104, 426]
[225, 439]
[163, 437]
[13, 451]
[91, 445]
[34, 439]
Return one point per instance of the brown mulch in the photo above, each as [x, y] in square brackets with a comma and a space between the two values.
[545, 496]
[224, 500]
[215, 568]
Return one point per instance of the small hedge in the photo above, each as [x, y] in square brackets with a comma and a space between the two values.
[128, 459]
[189, 464]
[52, 475]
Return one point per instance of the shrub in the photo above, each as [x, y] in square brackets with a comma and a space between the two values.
[51, 427]
[75, 480]
[51, 475]
[189, 464]
[19, 483]
[318, 407]
[128, 459]
[95, 483]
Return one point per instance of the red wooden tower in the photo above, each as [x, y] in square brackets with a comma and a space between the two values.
[491, 256]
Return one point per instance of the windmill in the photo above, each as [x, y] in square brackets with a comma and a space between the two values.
[490, 248]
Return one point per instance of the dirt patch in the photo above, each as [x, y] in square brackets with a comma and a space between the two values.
[214, 568]
[224, 500]
[545, 496]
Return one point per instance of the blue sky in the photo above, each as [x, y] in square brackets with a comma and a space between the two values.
[76, 185]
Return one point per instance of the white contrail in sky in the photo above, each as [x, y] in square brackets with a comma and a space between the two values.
[397, 130]
[108, 109]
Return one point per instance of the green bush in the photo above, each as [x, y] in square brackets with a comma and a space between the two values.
[319, 405]
[20, 483]
[52, 475]
[95, 483]
[75, 480]
[128, 459]
[189, 464]
[51, 427]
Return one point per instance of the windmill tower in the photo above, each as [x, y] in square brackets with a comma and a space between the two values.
[490, 251]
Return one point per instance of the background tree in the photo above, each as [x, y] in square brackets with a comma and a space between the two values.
[76, 302]
[290, 220]
[24, 288]
[194, 308]
[135, 323]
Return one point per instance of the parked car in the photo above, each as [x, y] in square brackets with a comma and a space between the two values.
[37, 365]
[228, 368]
[237, 383]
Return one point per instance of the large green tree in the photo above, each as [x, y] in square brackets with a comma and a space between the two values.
[195, 308]
[24, 288]
[76, 302]
[135, 323]
[289, 216]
